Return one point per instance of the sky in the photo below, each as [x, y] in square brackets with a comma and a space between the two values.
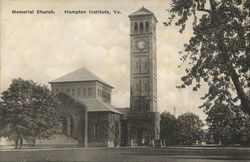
[44, 47]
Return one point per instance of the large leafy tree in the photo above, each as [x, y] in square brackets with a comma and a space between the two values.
[228, 125]
[170, 128]
[218, 53]
[190, 128]
[28, 111]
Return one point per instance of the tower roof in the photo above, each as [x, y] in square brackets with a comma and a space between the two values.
[142, 12]
[79, 75]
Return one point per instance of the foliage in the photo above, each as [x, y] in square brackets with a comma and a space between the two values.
[218, 53]
[170, 128]
[186, 129]
[28, 111]
[68, 107]
[228, 125]
[190, 128]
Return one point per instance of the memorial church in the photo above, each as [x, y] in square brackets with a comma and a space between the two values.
[87, 114]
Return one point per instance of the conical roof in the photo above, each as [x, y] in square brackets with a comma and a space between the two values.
[78, 75]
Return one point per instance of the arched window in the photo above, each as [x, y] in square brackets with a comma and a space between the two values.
[73, 92]
[78, 92]
[135, 27]
[147, 27]
[83, 91]
[141, 27]
[89, 92]
[146, 87]
[138, 105]
[145, 64]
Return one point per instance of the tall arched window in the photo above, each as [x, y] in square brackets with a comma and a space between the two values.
[141, 27]
[146, 64]
[146, 87]
[135, 27]
[147, 27]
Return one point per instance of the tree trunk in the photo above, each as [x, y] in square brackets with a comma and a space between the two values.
[16, 143]
[245, 101]
[33, 142]
[21, 143]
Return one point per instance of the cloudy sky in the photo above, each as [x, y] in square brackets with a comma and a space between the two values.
[44, 47]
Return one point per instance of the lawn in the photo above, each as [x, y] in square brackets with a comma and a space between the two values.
[169, 154]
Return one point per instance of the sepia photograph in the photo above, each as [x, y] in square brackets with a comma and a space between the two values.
[124, 81]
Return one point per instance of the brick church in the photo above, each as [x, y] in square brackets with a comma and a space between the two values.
[87, 114]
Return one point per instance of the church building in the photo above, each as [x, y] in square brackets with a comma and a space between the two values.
[87, 114]
[101, 124]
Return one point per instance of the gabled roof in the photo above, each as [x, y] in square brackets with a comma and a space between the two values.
[142, 11]
[78, 75]
[95, 105]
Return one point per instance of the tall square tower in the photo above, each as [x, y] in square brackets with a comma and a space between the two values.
[144, 118]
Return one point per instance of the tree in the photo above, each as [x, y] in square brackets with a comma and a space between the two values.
[28, 111]
[170, 128]
[218, 53]
[228, 125]
[190, 128]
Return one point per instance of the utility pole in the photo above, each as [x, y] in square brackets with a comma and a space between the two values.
[174, 112]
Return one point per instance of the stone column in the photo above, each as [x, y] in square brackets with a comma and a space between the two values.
[68, 129]
[86, 127]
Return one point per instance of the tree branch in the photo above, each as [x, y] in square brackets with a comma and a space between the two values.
[212, 5]
[201, 7]
[245, 102]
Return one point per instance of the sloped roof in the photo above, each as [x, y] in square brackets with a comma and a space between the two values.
[95, 105]
[81, 74]
[124, 111]
[142, 11]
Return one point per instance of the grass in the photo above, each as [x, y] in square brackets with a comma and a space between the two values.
[171, 154]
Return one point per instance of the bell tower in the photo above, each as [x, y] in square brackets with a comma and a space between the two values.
[144, 118]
